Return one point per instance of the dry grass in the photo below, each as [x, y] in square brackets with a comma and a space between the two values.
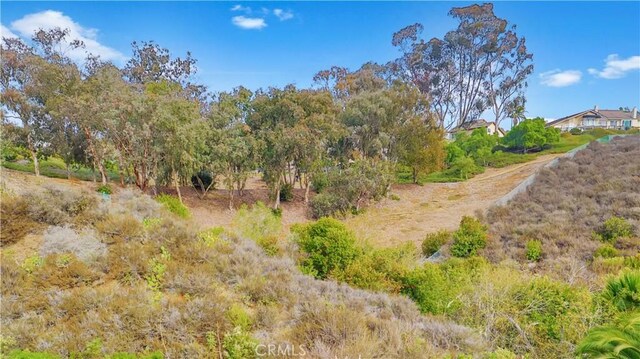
[566, 203]
[161, 287]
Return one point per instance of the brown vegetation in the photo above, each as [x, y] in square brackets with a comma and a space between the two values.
[568, 202]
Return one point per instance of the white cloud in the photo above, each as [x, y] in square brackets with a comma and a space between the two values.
[283, 14]
[249, 23]
[6, 33]
[239, 7]
[616, 68]
[51, 19]
[557, 78]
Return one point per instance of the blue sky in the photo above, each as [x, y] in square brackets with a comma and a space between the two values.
[585, 53]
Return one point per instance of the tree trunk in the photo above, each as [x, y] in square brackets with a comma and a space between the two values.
[68, 171]
[306, 192]
[415, 176]
[174, 174]
[36, 164]
[277, 201]
[103, 173]
[231, 199]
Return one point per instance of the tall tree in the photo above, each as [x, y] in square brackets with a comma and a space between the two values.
[23, 90]
[481, 64]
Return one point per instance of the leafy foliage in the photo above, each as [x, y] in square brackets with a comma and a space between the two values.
[614, 228]
[469, 238]
[434, 241]
[533, 250]
[328, 245]
[174, 205]
[531, 134]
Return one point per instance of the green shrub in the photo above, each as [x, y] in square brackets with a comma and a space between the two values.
[531, 134]
[173, 205]
[436, 287]
[606, 251]
[239, 317]
[469, 238]
[434, 241]
[379, 269]
[327, 205]
[104, 189]
[614, 228]
[575, 131]
[210, 236]
[624, 291]
[203, 180]
[239, 345]
[551, 313]
[319, 181]
[286, 192]
[327, 244]
[533, 250]
[270, 245]
[257, 222]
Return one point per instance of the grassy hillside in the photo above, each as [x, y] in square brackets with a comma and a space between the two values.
[567, 206]
[84, 276]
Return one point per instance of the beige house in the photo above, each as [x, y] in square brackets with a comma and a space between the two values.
[469, 126]
[596, 118]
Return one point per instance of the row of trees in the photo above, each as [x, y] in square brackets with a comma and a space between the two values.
[153, 124]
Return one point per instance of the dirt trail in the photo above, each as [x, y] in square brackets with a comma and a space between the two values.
[435, 206]
[420, 210]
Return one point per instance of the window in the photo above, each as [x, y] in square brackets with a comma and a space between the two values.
[613, 123]
[626, 124]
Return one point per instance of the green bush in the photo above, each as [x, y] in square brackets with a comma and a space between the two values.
[434, 241]
[327, 205]
[210, 236]
[319, 181]
[606, 251]
[575, 131]
[286, 192]
[551, 313]
[173, 205]
[327, 244]
[531, 134]
[239, 345]
[104, 189]
[379, 269]
[239, 317]
[469, 238]
[533, 250]
[203, 180]
[436, 287]
[257, 222]
[614, 228]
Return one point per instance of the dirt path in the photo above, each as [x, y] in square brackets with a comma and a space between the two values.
[420, 210]
[435, 206]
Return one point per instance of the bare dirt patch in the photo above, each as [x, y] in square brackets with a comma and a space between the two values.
[435, 206]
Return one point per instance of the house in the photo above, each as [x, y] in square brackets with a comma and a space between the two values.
[596, 118]
[470, 126]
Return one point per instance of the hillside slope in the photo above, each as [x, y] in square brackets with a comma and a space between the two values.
[81, 274]
[568, 202]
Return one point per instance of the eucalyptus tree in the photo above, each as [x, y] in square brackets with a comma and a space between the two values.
[481, 64]
[231, 147]
[23, 69]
